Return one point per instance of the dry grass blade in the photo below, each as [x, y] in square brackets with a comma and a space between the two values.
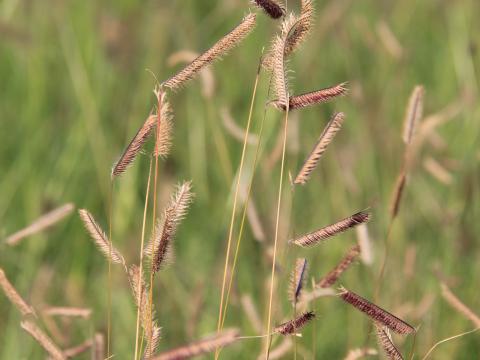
[385, 341]
[100, 238]
[159, 247]
[200, 347]
[42, 338]
[335, 273]
[326, 232]
[67, 311]
[458, 305]
[397, 194]
[413, 114]
[312, 98]
[290, 327]
[356, 354]
[334, 126]
[134, 147]
[271, 7]
[42, 223]
[142, 300]
[297, 279]
[375, 312]
[14, 297]
[219, 49]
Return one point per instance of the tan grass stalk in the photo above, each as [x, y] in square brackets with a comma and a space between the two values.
[43, 339]
[386, 343]
[363, 240]
[252, 313]
[447, 340]
[79, 349]
[166, 228]
[146, 310]
[320, 147]
[280, 351]
[67, 311]
[308, 296]
[438, 171]
[375, 312]
[458, 305]
[335, 273]
[255, 222]
[297, 280]
[397, 194]
[234, 129]
[290, 327]
[99, 346]
[312, 98]
[200, 347]
[326, 232]
[100, 238]
[271, 7]
[356, 354]
[413, 114]
[219, 49]
[14, 297]
[43, 222]
[389, 40]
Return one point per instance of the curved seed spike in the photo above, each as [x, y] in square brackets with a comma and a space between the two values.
[386, 343]
[334, 126]
[375, 312]
[332, 277]
[219, 49]
[290, 327]
[326, 232]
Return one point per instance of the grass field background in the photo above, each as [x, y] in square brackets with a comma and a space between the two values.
[74, 90]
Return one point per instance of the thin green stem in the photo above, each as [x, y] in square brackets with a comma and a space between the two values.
[234, 208]
[139, 291]
[277, 222]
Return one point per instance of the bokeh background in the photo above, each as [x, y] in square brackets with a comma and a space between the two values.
[74, 90]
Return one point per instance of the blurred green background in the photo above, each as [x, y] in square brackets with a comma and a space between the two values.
[75, 89]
